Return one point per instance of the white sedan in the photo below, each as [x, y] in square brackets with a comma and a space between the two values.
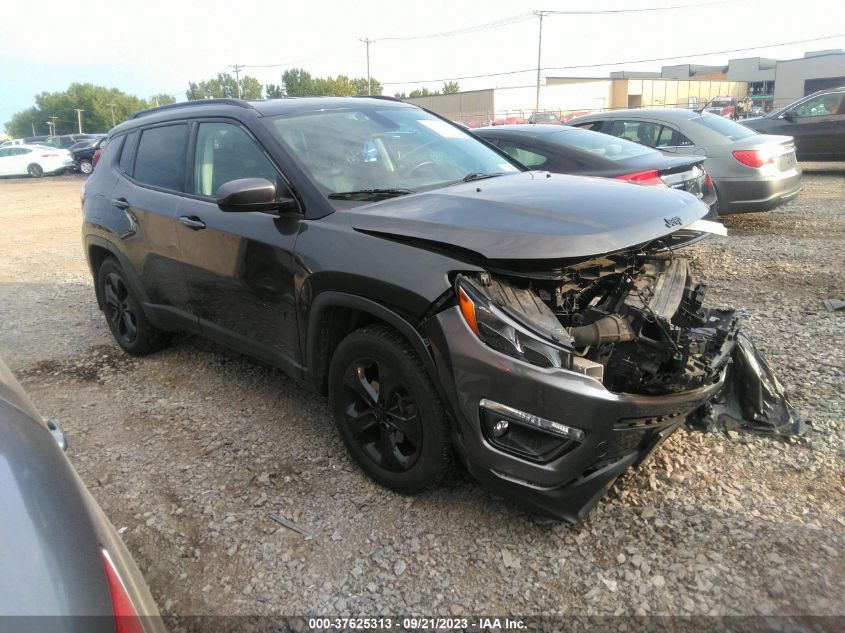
[34, 160]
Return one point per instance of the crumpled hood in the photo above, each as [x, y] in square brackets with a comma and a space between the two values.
[534, 215]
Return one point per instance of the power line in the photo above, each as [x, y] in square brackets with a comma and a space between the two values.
[469, 29]
[640, 10]
[622, 63]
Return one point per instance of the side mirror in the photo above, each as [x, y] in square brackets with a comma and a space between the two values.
[789, 115]
[251, 194]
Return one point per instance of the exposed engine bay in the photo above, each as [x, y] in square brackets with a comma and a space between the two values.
[635, 321]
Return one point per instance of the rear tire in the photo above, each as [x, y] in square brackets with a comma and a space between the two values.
[86, 167]
[387, 411]
[124, 314]
[35, 170]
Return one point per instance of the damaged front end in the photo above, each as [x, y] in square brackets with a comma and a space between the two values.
[610, 356]
[636, 323]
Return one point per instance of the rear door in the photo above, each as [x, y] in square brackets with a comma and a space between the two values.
[239, 267]
[146, 200]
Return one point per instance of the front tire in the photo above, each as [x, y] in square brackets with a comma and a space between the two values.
[124, 314]
[387, 410]
[35, 170]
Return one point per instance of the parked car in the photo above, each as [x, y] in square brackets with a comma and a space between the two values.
[63, 564]
[751, 172]
[570, 150]
[66, 140]
[30, 140]
[816, 122]
[441, 295]
[544, 118]
[83, 155]
[722, 106]
[33, 160]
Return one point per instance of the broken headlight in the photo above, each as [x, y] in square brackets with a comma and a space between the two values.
[504, 334]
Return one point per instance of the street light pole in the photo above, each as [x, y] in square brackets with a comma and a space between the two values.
[540, 15]
[79, 112]
[112, 106]
[368, 41]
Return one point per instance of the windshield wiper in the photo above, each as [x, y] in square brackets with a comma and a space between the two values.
[479, 176]
[369, 194]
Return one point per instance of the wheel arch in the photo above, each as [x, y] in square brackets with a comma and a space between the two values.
[335, 314]
[97, 251]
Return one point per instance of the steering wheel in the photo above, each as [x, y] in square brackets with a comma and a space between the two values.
[426, 163]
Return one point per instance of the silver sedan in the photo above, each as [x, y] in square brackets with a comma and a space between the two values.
[751, 171]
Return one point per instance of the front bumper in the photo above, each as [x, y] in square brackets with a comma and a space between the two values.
[620, 430]
[742, 196]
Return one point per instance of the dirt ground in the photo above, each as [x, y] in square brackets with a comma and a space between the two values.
[190, 450]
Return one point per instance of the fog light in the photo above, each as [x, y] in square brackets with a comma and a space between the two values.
[549, 426]
[500, 427]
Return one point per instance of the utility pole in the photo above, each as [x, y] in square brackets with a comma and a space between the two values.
[33, 128]
[55, 129]
[238, 78]
[79, 112]
[112, 106]
[540, 15]
[368, 41]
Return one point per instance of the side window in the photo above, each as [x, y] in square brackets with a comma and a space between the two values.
[160, 159]
[128, 153]
[664, 138]
[528, 157]
[224, 153]
[5, 152]
[823, 105]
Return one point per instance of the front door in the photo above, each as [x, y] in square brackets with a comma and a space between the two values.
[239, 267]
[818, 125]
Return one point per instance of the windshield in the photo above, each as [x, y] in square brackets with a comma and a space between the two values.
[364, 149]
[604, 145]
[730, 129]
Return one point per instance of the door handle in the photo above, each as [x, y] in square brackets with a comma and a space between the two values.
[192, 222]
[121, 203]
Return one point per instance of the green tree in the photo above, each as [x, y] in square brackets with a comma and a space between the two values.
[400, 95]
[425, 92]
[96, 102]
[224, 86]
[298, 82]
[274, 91]
[451, 87]
[160, 100]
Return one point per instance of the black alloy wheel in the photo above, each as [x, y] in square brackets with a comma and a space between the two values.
[123, 321]
[124, 314]
[387, 411]
[381, 415]
[35, 170]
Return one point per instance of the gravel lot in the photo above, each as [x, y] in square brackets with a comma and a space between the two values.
[190, 450]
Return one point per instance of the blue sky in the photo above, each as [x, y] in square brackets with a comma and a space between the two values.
[148, 47]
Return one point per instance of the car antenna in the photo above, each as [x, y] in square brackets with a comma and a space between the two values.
[701, 109]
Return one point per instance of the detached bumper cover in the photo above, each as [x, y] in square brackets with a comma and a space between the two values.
[619, 430]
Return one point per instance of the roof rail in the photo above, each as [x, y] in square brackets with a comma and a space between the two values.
[193, 103]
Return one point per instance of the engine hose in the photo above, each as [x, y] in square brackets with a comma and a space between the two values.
[609, 329]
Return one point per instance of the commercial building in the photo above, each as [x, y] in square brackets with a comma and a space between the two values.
[771, 83]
